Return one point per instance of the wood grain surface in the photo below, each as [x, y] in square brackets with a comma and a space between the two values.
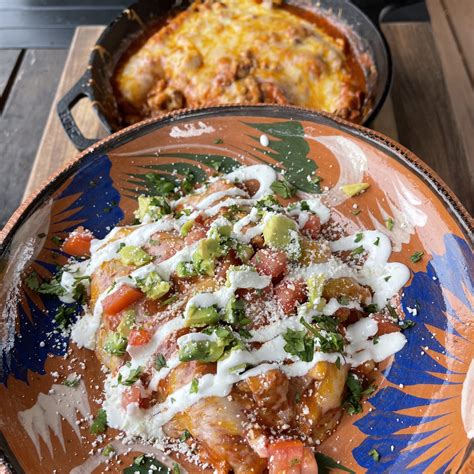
[55, 148]
[22, 120]
[423, 110]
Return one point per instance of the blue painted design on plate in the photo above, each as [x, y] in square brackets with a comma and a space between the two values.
[35, 337]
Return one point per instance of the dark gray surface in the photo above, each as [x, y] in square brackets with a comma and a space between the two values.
[22, 121]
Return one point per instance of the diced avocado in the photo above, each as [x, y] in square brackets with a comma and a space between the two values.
[199, 317]
[354, 189]
[315, 285]
[185, 270]
[152, 208]
[127, 323]
[153, 286]
[115, 344]
[276, 231]
[187, 226]
[244, 252]
[203, 257]
[234, 311]
[205, 351]
[132, 255]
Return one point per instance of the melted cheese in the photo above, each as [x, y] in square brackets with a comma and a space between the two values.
[236, 51]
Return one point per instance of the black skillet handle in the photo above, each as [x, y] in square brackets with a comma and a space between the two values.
[80, 90]
[376, 9]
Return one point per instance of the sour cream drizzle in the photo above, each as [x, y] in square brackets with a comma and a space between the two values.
[271, 354]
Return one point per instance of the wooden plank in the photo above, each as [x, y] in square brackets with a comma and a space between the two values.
[454, 39]
[22, 122]
[8, 61]
[460, 16]
[55, 148]
[423, 112]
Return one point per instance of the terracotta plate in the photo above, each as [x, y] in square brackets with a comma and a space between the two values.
[421, 417]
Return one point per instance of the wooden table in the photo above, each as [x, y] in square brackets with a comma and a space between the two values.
[430, 109]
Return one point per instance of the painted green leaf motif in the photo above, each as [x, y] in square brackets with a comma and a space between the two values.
[290, 149]
[149, 182]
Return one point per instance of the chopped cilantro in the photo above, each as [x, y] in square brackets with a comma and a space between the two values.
[188, 182]
[145, 464]
[358, 250]
[371, 308]
[304, 206]
[283, 188]
[356, 212]
[63, 316]
[417, 256]
[377, 241]
[359, 236]
[158, 184]
[71, 382]
[99, 424]
[218, 141]
[389, 223]
[133, 376]
[176, 469]
[375, 340]
[355, 392]
[108, 450]
[160, 362]
[32, 281]
[387, 277]
[185, 435]
[194, 386]
[297, 397]
[374, 454]
[406, 323]
[338, 363]
[300, 344]
[56, 240]
[41, 235]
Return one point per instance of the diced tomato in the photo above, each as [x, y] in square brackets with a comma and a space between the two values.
[165, 248]
[121, 299]
[133, 395]
[290, 292]
[196, 233]
[385, 326]
[285, 457]
[139, 337]
[270, 262]
[312, 226]
[78, 243]
[309, 465]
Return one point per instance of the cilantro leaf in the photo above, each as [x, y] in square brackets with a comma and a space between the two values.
[99, 425]
[133, 376]
[144, 464]
[298, 343]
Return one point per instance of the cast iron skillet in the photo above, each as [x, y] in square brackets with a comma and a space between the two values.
[135, 20]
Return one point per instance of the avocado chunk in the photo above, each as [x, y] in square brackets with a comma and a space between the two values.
[315, 285]
[203, 257]
[354, 189]
[200, 317]
[185, 270]
[151, 208]
[187, 226]
[115, 344]
[235, 312]
[133, 255]
[244, 252]
[153, 286]
[127, 323]
[204, 351]
[277, 231]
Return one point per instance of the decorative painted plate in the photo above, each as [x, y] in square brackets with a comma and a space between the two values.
[420, 419]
